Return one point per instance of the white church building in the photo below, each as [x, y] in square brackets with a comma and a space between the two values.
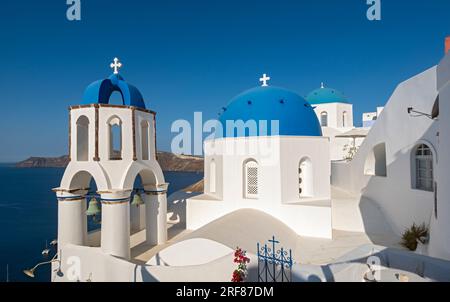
[335, 114]
[399, 173]
[284, 172]
[275, 162]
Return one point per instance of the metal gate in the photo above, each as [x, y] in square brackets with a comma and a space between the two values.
[274, 265]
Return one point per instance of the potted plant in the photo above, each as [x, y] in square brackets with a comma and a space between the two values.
[414, 236]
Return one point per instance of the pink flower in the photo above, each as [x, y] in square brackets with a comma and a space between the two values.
[241, 259]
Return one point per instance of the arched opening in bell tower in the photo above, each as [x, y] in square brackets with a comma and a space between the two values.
[116, 98]
[148, 210]
[115, 138]
[137, 209]
[90, 216]
[82, 138]
[145, 140]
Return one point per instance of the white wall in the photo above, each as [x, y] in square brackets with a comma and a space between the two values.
[440, 235]
[278, 182]
[218, 160]
[278, 159]
[112, 171]
[293, 150]
[336, 127]
[335, 114]
[96, 266]
[402, 204]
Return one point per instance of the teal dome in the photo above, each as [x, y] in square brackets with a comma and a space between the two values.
[325, 95]
[295, 115]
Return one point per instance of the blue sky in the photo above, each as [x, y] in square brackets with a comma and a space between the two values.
[188, 56]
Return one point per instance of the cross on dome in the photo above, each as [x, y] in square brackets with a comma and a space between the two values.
[264, 80]
[116, 65]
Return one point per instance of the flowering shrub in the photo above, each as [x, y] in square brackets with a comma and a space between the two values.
[241, 260]
[350, 152]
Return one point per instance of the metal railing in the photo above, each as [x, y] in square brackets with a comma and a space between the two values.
[274, 265]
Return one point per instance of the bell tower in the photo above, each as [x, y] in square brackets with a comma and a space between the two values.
[112, 145]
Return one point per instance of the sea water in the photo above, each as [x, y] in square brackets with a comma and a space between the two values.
[28, 216]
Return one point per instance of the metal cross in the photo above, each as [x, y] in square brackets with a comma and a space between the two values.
[264, 80]
[116, 65]
[274, 242]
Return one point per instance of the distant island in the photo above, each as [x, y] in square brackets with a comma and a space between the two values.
[168, 161]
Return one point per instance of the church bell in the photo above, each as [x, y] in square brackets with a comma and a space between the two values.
[94, 208]
[137, 200]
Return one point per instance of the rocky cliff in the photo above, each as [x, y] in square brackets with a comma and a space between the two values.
[169, 162]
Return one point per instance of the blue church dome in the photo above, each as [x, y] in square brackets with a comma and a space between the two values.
[295, 115]
[100, 92]
[325, 95]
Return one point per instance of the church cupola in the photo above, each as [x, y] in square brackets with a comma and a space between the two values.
[266, 104]
[101, 131]
[326, 95]
[100, 91]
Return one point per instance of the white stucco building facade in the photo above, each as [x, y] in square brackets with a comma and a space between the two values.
[335, 114]
[370, 118]
[402, 166]
[440, 218]
[274, 152]
[284, 172]
[384, 169]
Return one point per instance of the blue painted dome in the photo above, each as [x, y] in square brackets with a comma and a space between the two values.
[325, 95]
[295, 115]
[100, 92]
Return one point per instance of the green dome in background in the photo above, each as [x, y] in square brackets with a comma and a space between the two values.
[325, 95]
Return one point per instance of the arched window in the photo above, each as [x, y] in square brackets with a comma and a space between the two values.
[83, 138]
[115, 138]
[251, 179]
[423, 168]
[324, 119]
[145, 139]
[212, 176]
[344, 119]
[375, 164]
[305, 178]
